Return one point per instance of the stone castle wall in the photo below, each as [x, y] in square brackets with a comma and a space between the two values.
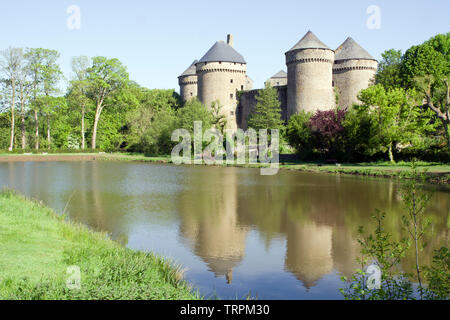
[352, 76]
[247, 103]
[310, 80]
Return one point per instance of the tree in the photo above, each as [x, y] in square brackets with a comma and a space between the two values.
[326, 128]
[51, 74]
[395, 118]
[24, 95]
[78, 90]
[106, 77]
[11, 64]
[193, 111]
[426, 67]
[267, 113]
[45, 74]
[389, 73]
[298, 133]
[152, 123]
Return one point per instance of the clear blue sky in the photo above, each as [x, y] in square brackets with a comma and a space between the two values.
[157, 40]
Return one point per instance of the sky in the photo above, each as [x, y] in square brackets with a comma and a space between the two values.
[158, 40]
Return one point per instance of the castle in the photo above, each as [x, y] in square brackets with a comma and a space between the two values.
[314, 72]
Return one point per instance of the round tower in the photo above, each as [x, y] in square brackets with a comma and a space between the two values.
[353, 70]
[310, 67]
[221, 73]
[188, 83]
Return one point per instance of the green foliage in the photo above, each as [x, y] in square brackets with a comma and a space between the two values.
[298, 134]
[267, 113]
[389, 73]
[438, 276]
[429, 58]
[379, 248]
[193, 111]
[395, 119]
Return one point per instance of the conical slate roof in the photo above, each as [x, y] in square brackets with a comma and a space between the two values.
[350, 49]
[221, 51]
[309, 41]
[280, 74]
[190, 71]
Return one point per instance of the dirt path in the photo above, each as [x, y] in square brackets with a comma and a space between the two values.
[49, 157]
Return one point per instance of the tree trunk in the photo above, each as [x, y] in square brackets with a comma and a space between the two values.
[83, 110]
[22, 124]
[447, 134]
[48, 132]
[391, 155]
[36, 126]
[13, 87]
[94, 130]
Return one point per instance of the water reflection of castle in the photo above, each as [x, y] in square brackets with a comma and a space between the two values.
[318, 216]
[217, 222]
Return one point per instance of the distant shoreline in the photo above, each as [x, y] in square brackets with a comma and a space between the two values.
[436, 173]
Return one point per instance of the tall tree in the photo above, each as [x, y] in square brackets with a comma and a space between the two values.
[267, 113]
[51, 74]
[78, 91]
[426, 67]
[24, 93]
[35, 60]
[11, 64]
[106, 77]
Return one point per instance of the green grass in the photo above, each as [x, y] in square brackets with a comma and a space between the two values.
[37, 246]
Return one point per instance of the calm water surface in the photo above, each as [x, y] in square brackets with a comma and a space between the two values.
[288, 236]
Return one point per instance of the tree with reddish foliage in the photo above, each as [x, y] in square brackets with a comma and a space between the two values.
[327, 131]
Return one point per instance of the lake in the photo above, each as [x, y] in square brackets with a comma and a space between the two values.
[288, 236]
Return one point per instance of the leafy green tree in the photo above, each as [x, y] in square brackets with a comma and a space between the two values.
[395, 118]
[156, 140]
[389, 73]
[267, 113]
[52, 106]
[426, 67]
[298, 133]
[78, 91]
[152, 123]
[193, 111]
[24, 86]
[10, 66]
[106, 78]
[45, 74]
[358, 134]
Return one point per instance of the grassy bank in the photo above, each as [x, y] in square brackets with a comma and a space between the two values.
[37, 246]
[436, 172]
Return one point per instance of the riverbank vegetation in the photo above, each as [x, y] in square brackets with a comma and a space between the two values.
[403, 115]
[37, 247]
[381, 275]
